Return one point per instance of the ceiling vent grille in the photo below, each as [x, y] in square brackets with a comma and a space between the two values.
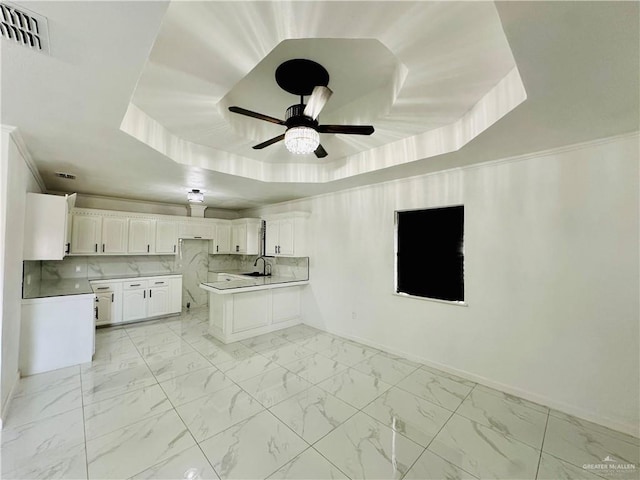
[24, 27]
[68, 176]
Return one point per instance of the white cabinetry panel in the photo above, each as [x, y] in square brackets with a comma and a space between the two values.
[249, 310]
[166, 236]
[141, 235]
[86, 234]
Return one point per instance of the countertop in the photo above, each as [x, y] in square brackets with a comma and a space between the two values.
[74, 286]
[139, 275]
[57, 288]
[242, 283]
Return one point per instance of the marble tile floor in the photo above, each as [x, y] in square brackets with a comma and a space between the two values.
[164, 399]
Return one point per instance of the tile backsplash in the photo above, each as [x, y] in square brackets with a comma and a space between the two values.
[192, 261]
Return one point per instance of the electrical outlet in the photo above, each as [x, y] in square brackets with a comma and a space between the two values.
[78, 269]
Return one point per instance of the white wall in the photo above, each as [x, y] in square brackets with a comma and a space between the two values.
[15, 180]
[551, 276]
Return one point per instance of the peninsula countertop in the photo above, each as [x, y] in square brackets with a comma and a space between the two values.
[238, 283]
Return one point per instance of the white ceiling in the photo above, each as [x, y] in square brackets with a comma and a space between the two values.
[417, 71]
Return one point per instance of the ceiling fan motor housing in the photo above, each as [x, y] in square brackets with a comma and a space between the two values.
[295, 117]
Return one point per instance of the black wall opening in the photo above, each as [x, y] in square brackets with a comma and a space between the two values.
[430, 253]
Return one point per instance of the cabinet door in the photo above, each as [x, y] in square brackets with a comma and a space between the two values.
[114, 235]
[239, 236]
[166, 237]
[86, 234]
[286, 237]
[45, 220]
[158, 300]
[140, 235]
[271, 237]
[134, 304]
[104, 303]
[223, 239]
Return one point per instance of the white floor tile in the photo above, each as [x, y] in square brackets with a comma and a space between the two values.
[189, 464]
[123, 410]
[431, 467]
[506, 416]
[354, 387]
[411, 416]
[130, 450]
[436, 389]
[384, 368]
[309, 465]
[315, 368]
[364, 448]
[253, 449]
[44, 403]
[100, 387]
[209, 415]
[484, 452]
[274, 386]
[171, 367]
[313, 413]
[194, 385]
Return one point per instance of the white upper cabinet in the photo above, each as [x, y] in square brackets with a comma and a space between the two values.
[166, 236]
[114, 234]
[196, 230]
[86, 234]
[141, 235]
[47, 226]
[245, 236]
[286, 235]
[222, 239]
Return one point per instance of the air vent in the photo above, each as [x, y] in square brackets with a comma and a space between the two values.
[24, 27]
[68, 176]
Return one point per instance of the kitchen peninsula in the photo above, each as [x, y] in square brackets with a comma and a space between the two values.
[243, 306]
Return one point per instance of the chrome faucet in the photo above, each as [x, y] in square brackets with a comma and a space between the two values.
[264, 265]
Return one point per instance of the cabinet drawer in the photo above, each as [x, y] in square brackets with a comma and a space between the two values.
[158, 283]
[135, 285]
[98, 288]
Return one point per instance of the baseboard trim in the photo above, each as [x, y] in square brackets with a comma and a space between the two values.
[573, 410]
[5, 407]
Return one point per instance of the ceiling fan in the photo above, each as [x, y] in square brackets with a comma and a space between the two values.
[303, 77]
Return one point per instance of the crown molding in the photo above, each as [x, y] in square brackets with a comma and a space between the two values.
[16, 136]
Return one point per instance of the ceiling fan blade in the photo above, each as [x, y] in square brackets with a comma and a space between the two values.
[269, 142]
[346, 129]
[259, 116]
[318, 99]
[320, 152]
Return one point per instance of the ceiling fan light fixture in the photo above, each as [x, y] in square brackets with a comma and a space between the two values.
[301, 140]
[195, 196]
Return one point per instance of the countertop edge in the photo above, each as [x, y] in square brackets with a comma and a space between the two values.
[252, 288]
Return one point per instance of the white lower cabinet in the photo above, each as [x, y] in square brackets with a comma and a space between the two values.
[137, 298]
[134, 300]
[237, 316]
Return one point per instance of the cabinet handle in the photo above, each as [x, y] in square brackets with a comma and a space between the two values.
[68, 249]
[149, 293]
[237, 248]
[159, 283]
[144, 294]
[96, 248]
[134, 285]
[96, 309]
[197, 237]
[174, 249]
[112, 297]
[103, 288]
[216, 248]
[147, 248]
[103, 248]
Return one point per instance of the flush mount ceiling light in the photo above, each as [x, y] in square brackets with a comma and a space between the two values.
[303, 77]
[195, 196]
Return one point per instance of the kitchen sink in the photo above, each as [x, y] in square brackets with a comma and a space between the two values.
[256, 274]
